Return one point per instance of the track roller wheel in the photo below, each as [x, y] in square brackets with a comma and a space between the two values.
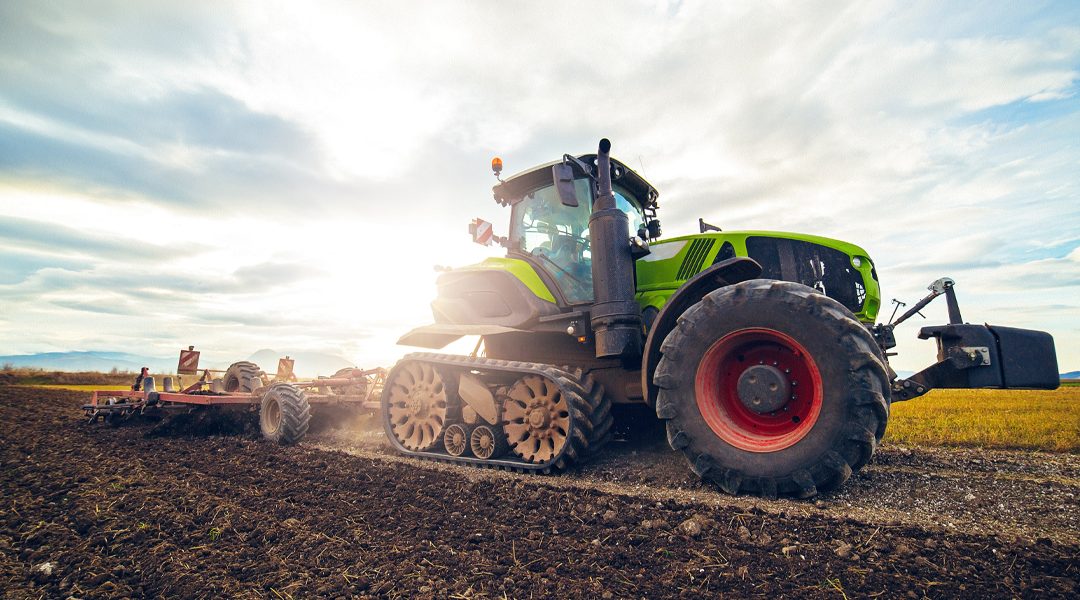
[284, 414]
[769, 387]
[416, 407]
[456, 439]
[485, 442]
[536, 419]
[241, 377]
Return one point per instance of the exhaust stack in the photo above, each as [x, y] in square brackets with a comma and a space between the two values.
[616, 318]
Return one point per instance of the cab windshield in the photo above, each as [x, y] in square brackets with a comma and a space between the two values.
[557, 236]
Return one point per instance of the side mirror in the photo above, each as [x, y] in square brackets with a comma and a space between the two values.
[563, 174]
[654, 229]
[481, 232]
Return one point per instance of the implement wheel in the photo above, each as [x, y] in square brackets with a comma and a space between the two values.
[242, 376]
[357, 388]
[284, 414]
[769, 387]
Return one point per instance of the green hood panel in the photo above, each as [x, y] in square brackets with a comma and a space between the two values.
[677, 259]
[520, 269]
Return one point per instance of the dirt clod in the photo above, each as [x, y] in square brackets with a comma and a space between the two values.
[691, 527]
[843, 550]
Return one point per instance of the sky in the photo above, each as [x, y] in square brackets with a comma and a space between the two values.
[246, 175]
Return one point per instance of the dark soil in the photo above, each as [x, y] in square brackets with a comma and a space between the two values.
[144, 511]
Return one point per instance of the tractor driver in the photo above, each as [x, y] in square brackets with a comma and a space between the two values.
[558, 236]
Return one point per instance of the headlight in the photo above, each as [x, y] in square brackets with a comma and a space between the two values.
[856, 262]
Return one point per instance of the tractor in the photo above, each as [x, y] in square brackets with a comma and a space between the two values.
[757, 350]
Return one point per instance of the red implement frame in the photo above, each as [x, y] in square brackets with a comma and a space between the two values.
[368, 384]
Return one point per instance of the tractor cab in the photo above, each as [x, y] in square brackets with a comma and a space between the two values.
[552, 233]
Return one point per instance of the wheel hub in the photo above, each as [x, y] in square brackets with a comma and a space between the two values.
[539, 419]
[763, 389]
[418, 401]
[758, 389]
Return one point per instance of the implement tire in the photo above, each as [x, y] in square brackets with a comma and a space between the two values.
[242, 377]
[771, 388]
[284, 414]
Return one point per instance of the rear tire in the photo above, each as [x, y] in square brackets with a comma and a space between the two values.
[242, 377]
[730, 406]
[284, 414]
[600, 415]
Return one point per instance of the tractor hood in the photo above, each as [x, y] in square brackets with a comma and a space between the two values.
[516, 186]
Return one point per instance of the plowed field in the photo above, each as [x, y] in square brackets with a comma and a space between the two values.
[146, 511]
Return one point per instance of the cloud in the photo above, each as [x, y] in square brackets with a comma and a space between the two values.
[103, 307]
[59, 239]
[16, 265]
[306, 165]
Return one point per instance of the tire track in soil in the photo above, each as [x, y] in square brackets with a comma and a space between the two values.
[122, 514]
[1009, 493]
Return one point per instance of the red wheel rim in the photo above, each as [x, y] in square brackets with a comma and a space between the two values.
[717, 389]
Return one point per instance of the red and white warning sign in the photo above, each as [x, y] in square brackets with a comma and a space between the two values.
[189, 362]
[481, 232]
[284, 369]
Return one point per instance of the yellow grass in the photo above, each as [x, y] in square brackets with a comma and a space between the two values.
[1027, 419]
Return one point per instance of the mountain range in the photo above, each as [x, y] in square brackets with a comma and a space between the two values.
[308, 364]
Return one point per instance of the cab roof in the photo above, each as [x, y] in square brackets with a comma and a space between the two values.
[516, 186]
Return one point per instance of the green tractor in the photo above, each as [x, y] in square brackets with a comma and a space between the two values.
[757, 350]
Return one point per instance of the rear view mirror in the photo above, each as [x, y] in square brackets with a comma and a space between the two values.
[654, 229]
[563, 174]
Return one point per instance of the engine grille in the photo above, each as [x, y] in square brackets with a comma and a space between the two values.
[825, 269]
[695, 257]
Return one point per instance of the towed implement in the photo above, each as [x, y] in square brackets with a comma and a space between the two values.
[284, 404]
[758, 350]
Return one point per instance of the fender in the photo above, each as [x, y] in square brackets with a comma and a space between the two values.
[723, 273]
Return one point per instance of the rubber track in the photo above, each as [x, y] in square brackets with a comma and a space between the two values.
[584, 397]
